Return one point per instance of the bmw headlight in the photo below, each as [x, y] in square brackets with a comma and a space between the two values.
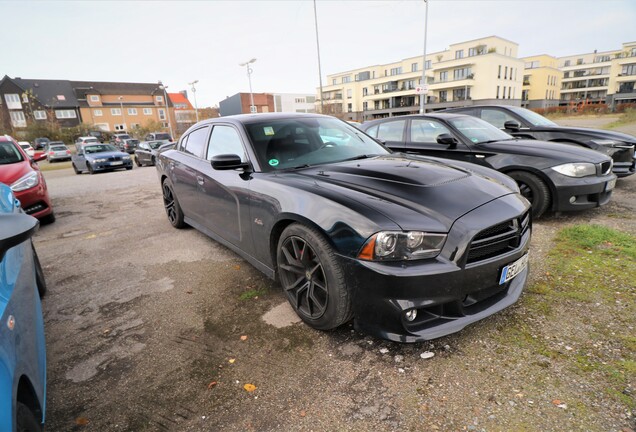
[26, 182]
[126, 157]
[99, 160]
[578, 169]
[397, 245]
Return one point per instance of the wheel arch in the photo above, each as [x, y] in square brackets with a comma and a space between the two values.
[27, 395]
[542, 176]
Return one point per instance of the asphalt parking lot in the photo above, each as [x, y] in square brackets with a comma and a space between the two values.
[152, 328]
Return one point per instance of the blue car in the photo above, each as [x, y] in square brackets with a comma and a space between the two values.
[94, 157]
[22, 348]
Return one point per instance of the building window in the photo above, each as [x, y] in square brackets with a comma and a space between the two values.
[17, 118]
[162, 114]
[13, 101]
[499, 72]
[349, 108]
[97, 113]
[65, 114]
[159, 98]
[579, 61]
[333, 81]
[39, 115]
[532, 65]
[459, 54]
[147, 111]
[629, 69]
[472, 52]
[364, 91]
[396, 71]
[443, 76]
[115, 111]
[346, 79]
[443, 96]
[497, 97]
[567, 63]
[506, 73]
[428, 64]
[349, 93]
[462, 73]
[365, 106]
[299, 100]
[132, 111]
[413, 67]
[120, 127]
[94, 98]
[362, 76]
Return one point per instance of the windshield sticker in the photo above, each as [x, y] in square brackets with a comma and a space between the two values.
[273, 162]
[268, 130]
[474, 140]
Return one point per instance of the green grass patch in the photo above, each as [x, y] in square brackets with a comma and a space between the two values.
[45, 166]
[253, 293]
[628, 117]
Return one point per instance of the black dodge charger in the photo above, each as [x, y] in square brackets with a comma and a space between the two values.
[411, 248]
[552, 176]
[523, 123]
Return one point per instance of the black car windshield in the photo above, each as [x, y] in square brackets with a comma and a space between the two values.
[9, 153]
[477, 130]
[99, 148]
[304, 141]
[156, 144]
[57, 148]
[532, 117]
[162, 136]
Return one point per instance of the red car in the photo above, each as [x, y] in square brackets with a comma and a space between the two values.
[23, 175]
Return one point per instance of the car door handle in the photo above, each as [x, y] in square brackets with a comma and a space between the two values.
[200, 180]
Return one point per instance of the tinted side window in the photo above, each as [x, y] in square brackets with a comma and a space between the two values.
[195, 145]
[427, 131]
[225, 140]
[391, 131]
[496, 117]
[372, 131]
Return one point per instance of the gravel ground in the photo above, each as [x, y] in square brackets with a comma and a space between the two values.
[157, 329]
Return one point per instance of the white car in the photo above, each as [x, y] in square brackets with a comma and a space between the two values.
[86, 140]
[26, 146]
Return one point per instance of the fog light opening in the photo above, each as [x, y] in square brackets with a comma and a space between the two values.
[410, 315]
[572, 199]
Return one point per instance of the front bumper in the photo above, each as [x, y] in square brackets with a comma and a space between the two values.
[572, 194]
[448, 292]
[105, 166]
[624, 162]
[35, 201]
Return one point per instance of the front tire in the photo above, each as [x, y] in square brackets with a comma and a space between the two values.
[137, 161]
[173, 209]
[312, 278]
[91, 171]
[534, 190]
[78, 172]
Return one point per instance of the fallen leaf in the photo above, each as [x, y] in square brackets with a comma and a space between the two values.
[556, 402]
[189, 292]
[303, 413]
[249, 387]
[106, 331]
[243, 338]
[212, 384]
[237, 267]
[231, 361]
[82, 421]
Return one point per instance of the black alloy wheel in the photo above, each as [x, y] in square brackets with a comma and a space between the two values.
[91, 171]
[534, 190]
[25, 419]
[137, 161]
[312, 278]
[76, 170]
[173, 209]
[152, 161]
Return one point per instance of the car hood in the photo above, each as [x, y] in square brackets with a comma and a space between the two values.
[11, 172]
[106, 155]
[557, 152]
[405, 189]
[591, 133]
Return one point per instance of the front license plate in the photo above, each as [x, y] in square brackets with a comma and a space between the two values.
[513, 269]
[610, 185]
[116, 163]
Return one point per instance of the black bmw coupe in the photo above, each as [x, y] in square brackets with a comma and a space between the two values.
[412, 248]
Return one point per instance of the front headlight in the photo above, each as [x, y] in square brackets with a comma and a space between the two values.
[577, 169]
[26, 182]
[397, 245]
[99, 160]
[126, 157]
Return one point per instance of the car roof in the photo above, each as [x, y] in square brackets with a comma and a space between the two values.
[438, 115]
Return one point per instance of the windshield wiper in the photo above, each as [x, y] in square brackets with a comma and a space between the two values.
[362, 156]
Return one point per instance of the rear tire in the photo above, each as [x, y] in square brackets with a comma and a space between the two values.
[152, 161]
[76, 170]
[25, 419]
[173, 209]
[312, 278]
[137, 161]
[534, 190]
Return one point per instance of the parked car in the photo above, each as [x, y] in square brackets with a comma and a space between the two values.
[86, 140]
[128, 145]
[23, 175]
[57, 151]
[118, 139]
[94, 157]
[146, 152]
[552, 176]
[411, 248]
[158, 136]
[101, 136]
[22, 344]
[523, 123]
[40, 143]
[26, 146]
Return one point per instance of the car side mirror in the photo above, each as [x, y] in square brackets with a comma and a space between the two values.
[512, 125]
[39, 157]
[228, 162]
[447, 139]
[15, 228]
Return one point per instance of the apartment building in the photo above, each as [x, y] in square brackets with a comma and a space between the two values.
[294, 102]
[599, 77]
[483, 71]
[541, 82]
[184, 113]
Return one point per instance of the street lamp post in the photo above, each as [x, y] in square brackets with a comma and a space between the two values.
[249, 77]
[194, 92]
[165, 96]
[121, 107]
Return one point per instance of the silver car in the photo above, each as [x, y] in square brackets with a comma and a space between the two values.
[57, 152]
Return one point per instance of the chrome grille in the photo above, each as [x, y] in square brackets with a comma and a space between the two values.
[498, 239]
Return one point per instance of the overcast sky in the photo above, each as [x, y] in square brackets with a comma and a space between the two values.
[180, 41]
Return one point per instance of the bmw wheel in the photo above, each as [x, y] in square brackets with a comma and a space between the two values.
[91, 171]
[534, 190]
[312, 278]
